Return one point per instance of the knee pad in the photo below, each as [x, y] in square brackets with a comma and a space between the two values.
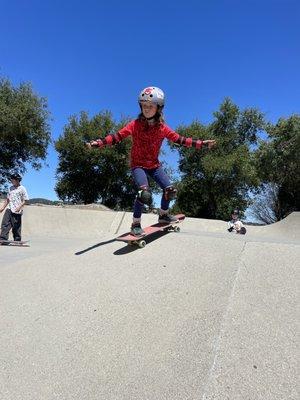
[144, 196]
[170, 193]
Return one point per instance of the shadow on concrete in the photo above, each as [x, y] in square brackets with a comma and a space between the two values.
[126, 249]
[94, 247]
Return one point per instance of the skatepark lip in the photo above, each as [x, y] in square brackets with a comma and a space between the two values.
[53, 221]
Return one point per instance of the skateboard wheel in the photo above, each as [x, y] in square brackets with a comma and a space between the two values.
[142, 244]
[176, 229]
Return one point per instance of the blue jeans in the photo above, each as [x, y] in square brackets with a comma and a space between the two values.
[140, 176]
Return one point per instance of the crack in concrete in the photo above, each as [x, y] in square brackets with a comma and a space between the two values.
[217, 344]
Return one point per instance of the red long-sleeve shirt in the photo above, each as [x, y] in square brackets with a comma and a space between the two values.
[146, 141]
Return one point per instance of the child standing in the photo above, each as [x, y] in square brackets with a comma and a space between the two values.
[12, 218]
[148, 132]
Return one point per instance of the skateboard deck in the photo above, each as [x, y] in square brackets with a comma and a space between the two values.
[22, 243]
[242, 231]
[149, 230]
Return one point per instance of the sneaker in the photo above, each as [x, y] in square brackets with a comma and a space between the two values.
[167, 219]
[137, 230]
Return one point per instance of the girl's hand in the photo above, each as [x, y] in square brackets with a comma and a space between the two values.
[209, 143]
[95, 143]
[91, 144]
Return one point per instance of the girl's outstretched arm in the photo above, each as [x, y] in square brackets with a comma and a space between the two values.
[187, 142]
[112, 138]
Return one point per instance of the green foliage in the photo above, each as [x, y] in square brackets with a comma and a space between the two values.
[277, 162]
[24, 130]
[213, 182]
[87, 176]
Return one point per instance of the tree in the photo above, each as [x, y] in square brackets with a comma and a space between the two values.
[98, 174]
[265, 207]
[24, 129]
[216, 181]
[278, 163]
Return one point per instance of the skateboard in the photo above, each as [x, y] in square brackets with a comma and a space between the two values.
[21, 243]
[242, 231]
[149, 230]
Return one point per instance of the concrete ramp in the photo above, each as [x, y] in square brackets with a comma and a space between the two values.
[68, 222]
[200, 314]
[286, 229]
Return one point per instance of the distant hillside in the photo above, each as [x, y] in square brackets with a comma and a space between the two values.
[44, 201]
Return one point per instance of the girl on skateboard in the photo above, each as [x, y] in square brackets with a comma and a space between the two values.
[148, 132]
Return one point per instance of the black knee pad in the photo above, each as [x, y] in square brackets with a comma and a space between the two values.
[144, 196]
[170, 193]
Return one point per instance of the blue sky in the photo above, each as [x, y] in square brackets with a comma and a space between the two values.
[95, 55]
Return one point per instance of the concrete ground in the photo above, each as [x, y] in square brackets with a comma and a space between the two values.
[200, 314]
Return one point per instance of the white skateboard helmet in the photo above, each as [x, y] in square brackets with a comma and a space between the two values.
[153, 94]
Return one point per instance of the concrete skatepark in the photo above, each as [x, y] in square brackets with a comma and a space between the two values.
[200, 314]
